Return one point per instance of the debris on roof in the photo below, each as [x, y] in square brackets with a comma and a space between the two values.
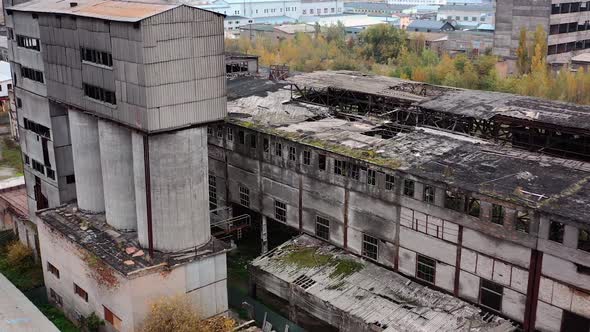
[343, 284]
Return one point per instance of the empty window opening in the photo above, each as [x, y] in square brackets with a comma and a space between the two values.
[573, 322]
[409, 188]
[292, 154]
[428, 194]
[474, 207]
[425, 269]
[454, 201]
[355, 172]
[497, 214]
[322, 228]
[370, 247]
[371, 177]
[96, 57]
[389, 182]
[55, 298]
[244, 196]
[219, 131]
[306, 157]
[100, 94]
[322, 162]
[32, 74]
[490, 295]
[339, 167]
[70, 179]
[278, 149]
[556, 231]
[523, 221]
[230, 134]
[241, 137]
[584, 240]
[280, 211]
[253, 141]
[266, 145]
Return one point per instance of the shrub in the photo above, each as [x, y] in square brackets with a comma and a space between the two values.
[18, 254]
[177, 314]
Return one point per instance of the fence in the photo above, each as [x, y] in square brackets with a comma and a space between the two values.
[279, 323]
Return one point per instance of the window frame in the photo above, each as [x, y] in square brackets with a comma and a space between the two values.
[369, 242]
[495, 292]
[561, 231]
[306, 157]
[497, 214]
[112, 319]
[389, 182]
[322, 162]
[429, 194]
[278, 149]
[53, 270]
[426, 269]
[371, 177]
[292, 153]
[280, 211]
[83, 294]
[579, 246]
[213, 202]
[322, 228]
[244, 193]
[409, 191]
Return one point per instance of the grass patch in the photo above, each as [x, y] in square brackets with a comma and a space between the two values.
[25, 276]
[57, 317]
[309, 257]
[11, 155]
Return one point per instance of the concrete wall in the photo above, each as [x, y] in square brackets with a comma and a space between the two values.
[404, 226]
[204, 282]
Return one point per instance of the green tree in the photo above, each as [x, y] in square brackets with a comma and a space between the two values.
[382, 42]
[522, 53]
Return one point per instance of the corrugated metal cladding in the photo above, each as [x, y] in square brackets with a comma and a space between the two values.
[187, 113]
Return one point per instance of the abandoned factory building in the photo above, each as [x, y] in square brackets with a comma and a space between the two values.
[480, 195]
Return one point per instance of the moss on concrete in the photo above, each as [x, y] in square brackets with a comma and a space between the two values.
[309, 257]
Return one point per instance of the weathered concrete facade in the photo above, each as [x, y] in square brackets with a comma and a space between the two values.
[564, 22]
[115, 96]
[314, 164]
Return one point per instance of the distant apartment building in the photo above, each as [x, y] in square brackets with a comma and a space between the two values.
[417, 2]
[374, 8]
[566, 24]
[113, 98]
[474, 14]
[321, 7]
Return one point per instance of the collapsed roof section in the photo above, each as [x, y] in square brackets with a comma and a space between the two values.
[353, 291]
[455, 160]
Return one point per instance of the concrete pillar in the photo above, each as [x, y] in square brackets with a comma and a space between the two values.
[139, 182]
[178, 167]
[118, 182]
[264, 235]
[86, 156]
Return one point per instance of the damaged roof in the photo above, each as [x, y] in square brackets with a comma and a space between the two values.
[117, 248]
[112, 10]
[553, 185]
[471, 103]
[346, 285]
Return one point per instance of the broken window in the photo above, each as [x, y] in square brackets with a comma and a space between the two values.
[230, 134]
[389, 182]
[100, 94]
[27, 160]
[280, 211]
[266, 145]
[306, 157]
[474, 207]
[70, 179]
[454, 201]
[490, 295]
[241, 137]
[210, 131]
[497, 214]
[355, 172]
[36, 128]
[244, 196]
[523, 221]
[253, 141]
[112, 319]
[573, 322]
[32, 74]
[409, 188]
[371, 177]
[292, 154]
[219, 131]
[28, 42]
[556, 230]
[583, 240]
[322, 162]
[339, 167]
[38, 167]
[50, 173]
[278, 149]
[80, 292]
[55, 298]
[428, 194]
[212, 193]
[370, 247]
[322, 228]
[98, 57]
[53, 270]
[425, 269]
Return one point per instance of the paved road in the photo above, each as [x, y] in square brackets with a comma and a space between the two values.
[18, 314]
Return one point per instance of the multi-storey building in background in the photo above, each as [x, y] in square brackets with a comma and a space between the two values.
[481, 195]
[566, 25]
[113, 99]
